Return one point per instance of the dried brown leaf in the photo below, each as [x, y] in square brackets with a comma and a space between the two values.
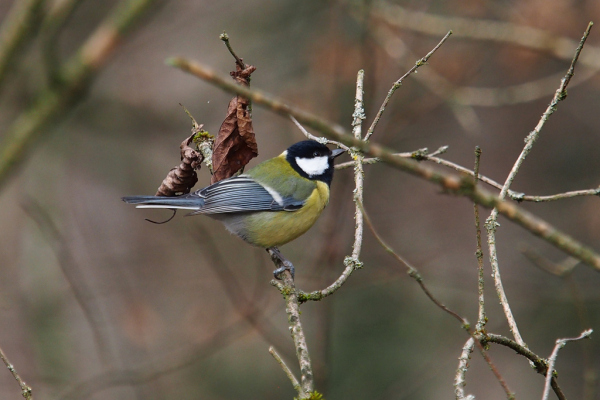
[181, 179]
[236, 144]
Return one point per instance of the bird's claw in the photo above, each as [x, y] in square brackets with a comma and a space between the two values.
[287, 266]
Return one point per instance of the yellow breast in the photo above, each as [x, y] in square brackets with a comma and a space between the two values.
[278, 228]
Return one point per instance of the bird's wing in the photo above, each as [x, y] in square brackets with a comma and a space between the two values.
[242, 194]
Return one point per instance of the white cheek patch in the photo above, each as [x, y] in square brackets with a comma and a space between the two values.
[313, 166]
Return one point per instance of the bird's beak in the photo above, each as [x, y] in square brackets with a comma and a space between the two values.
[337, 152]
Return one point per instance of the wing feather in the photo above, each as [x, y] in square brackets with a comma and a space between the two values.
[241, 194]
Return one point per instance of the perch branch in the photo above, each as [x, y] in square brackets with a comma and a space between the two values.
[292, 310]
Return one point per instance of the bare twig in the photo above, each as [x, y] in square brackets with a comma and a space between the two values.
[26, 391]
[398, 83]
[466, 97]
[414, 273]
[560, 343]
[450, 183]
[320, 139]
[481, 318]
[225, 38]
[292, 310]
[491, 222]
[286, 369]
[540, 365]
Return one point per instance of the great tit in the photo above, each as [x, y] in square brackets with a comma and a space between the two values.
[269, 205]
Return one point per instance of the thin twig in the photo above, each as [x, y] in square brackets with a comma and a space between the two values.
[560, 343]
[540, 365]
[398, 83]
[512, 194]
[491, 222]
[285, 369]
[481, 318]
[26, 391]
[467, 97]
[414, 273]
[225, 38]
[321, 140]
[451, 183]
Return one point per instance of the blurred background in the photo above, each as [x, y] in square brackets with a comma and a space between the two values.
[97, 303]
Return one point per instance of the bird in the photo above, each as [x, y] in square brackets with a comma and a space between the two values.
[269, 205]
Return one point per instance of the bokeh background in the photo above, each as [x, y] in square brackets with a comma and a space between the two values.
[96, 303]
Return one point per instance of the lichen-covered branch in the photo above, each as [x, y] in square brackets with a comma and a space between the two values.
[292, 309]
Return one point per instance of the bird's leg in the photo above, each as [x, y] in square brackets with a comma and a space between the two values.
[282, 263]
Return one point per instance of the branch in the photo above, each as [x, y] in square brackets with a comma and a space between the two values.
[285, 369]
[462, 97]
[413, 273]
[25, 389]
[481, 318]
[463, 366]
[76, 75]
[450, 183]
[292, 310]
[560, 343]
[398, 83]
[491, 222]
[541, 365]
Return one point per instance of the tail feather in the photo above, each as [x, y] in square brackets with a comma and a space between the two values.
[182, 202]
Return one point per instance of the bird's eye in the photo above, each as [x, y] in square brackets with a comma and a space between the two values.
[316, 154]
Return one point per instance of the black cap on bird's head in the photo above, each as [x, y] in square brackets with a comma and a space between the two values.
[312, 160]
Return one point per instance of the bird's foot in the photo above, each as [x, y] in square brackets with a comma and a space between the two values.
[284, 263]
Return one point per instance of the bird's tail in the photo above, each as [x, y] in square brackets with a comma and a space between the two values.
[180, 202]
